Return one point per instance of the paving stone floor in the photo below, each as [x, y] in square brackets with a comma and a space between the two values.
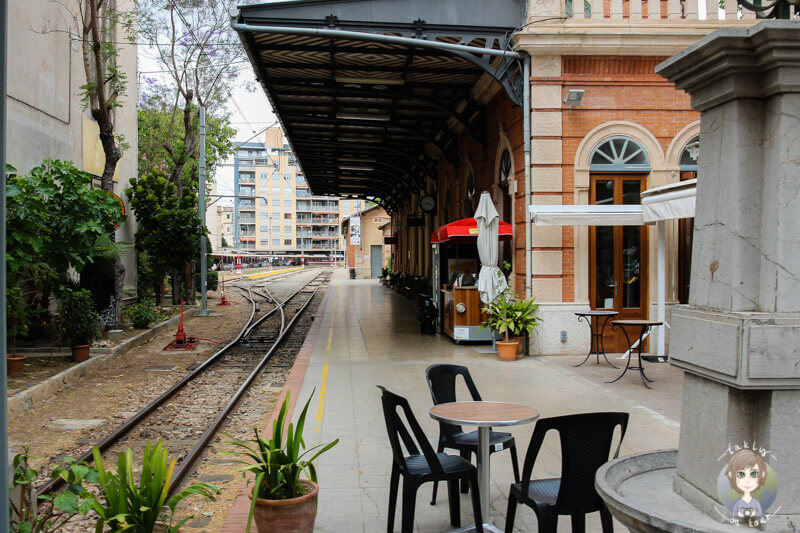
[368, 336]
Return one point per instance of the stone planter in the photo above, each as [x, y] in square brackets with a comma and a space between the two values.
[638, 491]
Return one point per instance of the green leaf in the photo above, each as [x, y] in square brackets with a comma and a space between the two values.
[66, 501]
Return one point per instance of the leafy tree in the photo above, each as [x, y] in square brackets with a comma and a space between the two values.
[100, 26]
[168, 227]
[199, 52]
[155, 126]
[53, 220]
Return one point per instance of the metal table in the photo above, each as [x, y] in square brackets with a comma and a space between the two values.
[645, 325]
[596, 347]
[485, 415]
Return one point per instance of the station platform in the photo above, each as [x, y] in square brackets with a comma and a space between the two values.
[366, 335]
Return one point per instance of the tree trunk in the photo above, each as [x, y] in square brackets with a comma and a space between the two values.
[119, 283]
[176, 287]
[190, 287]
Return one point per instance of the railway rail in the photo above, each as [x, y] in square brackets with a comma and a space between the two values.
[220, 382]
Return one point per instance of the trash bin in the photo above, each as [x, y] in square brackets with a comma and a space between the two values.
[352, 273]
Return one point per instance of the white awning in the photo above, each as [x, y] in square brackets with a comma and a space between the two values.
[667, 202]
[676, 200]
[587, 215]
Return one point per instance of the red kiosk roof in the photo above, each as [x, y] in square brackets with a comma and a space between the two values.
[466, 230]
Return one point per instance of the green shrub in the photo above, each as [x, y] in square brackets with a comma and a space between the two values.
[49, 512]
[78, 322]
[143, 314]
[212, 280]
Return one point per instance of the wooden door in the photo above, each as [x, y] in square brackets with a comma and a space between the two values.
[618, 258]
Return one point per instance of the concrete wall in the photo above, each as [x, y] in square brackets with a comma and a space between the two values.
[45, 119]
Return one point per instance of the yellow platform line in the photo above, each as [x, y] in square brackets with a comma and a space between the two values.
[324, 379]
[273, 272]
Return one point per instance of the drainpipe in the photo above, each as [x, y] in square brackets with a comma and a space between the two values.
[526, 135]
[3, 384]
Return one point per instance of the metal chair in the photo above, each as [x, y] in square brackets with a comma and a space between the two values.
[442, 384]
[585, 446]
[418, 468]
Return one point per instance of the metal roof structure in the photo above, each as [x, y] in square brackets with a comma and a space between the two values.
[369, 92]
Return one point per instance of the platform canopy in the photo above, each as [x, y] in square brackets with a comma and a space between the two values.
[466, 230]
[369, 92]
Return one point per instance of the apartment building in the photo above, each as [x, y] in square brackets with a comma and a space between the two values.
[275, 213]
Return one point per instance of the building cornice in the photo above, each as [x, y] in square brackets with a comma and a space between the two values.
[616, 38]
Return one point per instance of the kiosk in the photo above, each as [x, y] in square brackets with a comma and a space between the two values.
[455, 276]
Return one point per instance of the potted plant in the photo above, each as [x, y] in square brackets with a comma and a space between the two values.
[142, 507]
[384, 276]
[17, 321]
[280, 499]
[510, 316]
[78, 323]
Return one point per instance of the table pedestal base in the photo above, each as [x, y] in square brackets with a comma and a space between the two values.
[488, 526]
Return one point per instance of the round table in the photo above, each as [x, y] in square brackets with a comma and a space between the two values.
[596, 347]
[485, 415]
[645, 325]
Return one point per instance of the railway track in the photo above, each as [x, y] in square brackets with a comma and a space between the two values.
[189, 414]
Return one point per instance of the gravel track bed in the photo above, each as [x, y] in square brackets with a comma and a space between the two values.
[108, 398]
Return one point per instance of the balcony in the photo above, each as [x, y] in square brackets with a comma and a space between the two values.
[245, 205]
[325, 221]
[325, 246]
[247, 238]
[617, 27]
[247, 220]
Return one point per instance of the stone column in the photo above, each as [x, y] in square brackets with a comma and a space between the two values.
[738, 340]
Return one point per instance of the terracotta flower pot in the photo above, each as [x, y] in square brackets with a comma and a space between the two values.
[80, 353]
[295, 515]
[507, 351]
[520, 346]
[15, 363]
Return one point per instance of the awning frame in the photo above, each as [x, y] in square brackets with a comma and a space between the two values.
[659, 204]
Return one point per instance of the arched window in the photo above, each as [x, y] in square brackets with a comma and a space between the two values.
[505, 168]
[619, 154]
[689, 155]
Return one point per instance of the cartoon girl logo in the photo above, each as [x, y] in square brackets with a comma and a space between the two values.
[747, 487]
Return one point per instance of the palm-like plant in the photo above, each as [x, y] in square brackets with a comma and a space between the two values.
[278, 463]
[510, 316]
[132, 507]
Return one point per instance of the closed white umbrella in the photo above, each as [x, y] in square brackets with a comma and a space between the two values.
[491, 280]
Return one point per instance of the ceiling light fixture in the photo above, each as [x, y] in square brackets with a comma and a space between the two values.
[355, 167]
[574, 97]
[362, 116]
[370, 81]
[349, 139]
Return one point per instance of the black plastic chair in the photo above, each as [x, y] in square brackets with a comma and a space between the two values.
[442, 384]
[418, 468]
[585, 446]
